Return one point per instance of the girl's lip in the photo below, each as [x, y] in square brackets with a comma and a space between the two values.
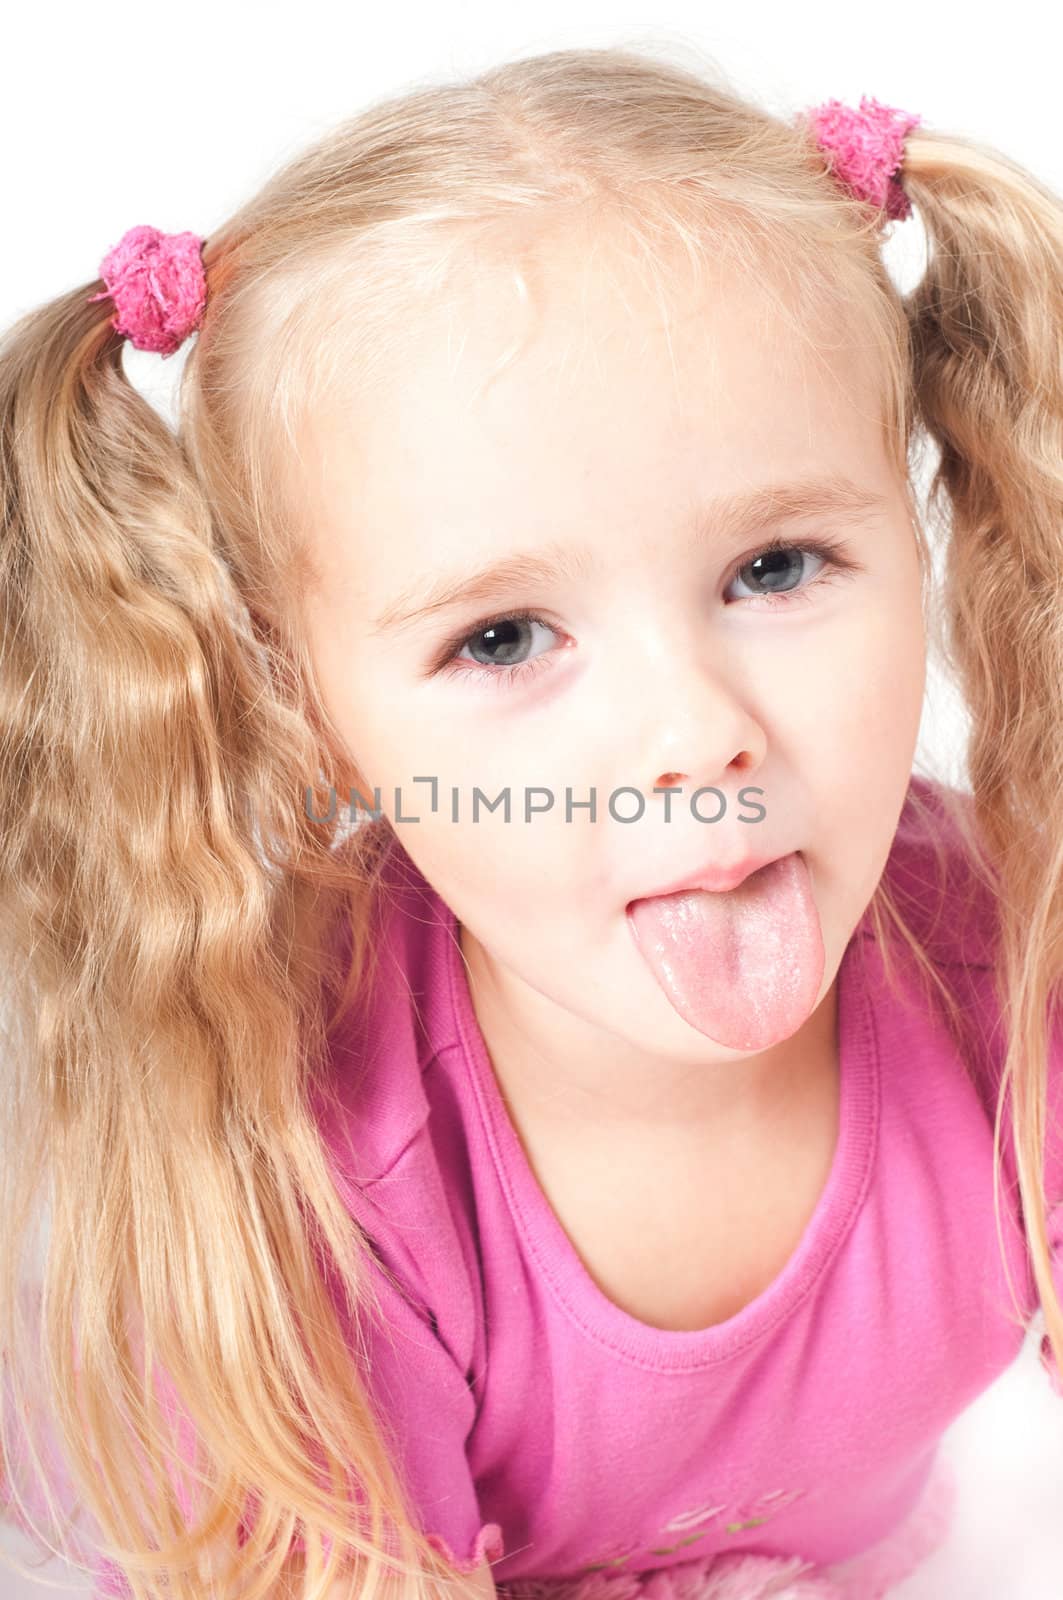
[717, 878]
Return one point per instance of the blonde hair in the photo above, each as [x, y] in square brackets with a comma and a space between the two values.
[169, 905]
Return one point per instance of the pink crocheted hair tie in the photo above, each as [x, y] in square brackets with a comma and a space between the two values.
[158, 285]
[865, 148]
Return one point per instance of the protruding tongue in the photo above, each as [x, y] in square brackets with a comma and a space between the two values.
[743, 966]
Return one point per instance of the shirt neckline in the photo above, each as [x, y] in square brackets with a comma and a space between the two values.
[600, 1319]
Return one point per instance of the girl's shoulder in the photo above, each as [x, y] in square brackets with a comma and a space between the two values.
[940, 878]
[370, 1099]
[946, 891]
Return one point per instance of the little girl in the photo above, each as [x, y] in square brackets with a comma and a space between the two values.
[517, 1062]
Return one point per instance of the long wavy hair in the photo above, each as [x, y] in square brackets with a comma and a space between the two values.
[169, 903]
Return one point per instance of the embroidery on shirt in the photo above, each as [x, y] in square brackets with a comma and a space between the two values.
[761, 1511]
[613, 1559]
[687, 1519]
[747, 1514]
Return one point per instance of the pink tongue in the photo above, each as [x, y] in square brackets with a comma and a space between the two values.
[743, 967]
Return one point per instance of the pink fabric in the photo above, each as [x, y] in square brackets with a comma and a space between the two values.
[1055, 1246]
[158, 286]
[790, 1451]
[865, 147]
[805, 1427]
[739, 1576]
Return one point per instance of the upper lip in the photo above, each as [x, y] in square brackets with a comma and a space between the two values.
[716, 876]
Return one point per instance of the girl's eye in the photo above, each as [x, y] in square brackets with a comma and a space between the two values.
[500, 642]
[776, 564]
[777, 567]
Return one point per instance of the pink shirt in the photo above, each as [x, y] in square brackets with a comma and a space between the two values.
[544, 1427]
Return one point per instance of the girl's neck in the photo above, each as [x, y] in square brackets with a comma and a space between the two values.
[558, 1071]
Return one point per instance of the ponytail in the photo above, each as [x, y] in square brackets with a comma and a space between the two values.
[164, 1001]
[987, 369]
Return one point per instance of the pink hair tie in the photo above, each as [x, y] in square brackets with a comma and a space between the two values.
[158, 285]
[865, 149]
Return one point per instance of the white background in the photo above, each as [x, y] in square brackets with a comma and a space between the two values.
[119, 114]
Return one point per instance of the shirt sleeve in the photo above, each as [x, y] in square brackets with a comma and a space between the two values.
[1054, 1183]
[968, 938]
[418, 1351]
[986, 1037]
[414, 1348]
[966, 943]
[415, 1352]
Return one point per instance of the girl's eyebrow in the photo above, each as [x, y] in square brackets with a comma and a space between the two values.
[728, 516]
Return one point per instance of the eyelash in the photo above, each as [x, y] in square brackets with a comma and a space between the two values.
[836, 565]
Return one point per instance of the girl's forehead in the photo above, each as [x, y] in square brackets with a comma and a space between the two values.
[575, 346]
[452, 472]
[603, 396]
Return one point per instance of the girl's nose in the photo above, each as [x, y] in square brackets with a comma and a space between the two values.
[742, 761]
[716, 734]
[691, 721]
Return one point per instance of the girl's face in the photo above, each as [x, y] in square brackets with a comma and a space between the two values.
[536, 586]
